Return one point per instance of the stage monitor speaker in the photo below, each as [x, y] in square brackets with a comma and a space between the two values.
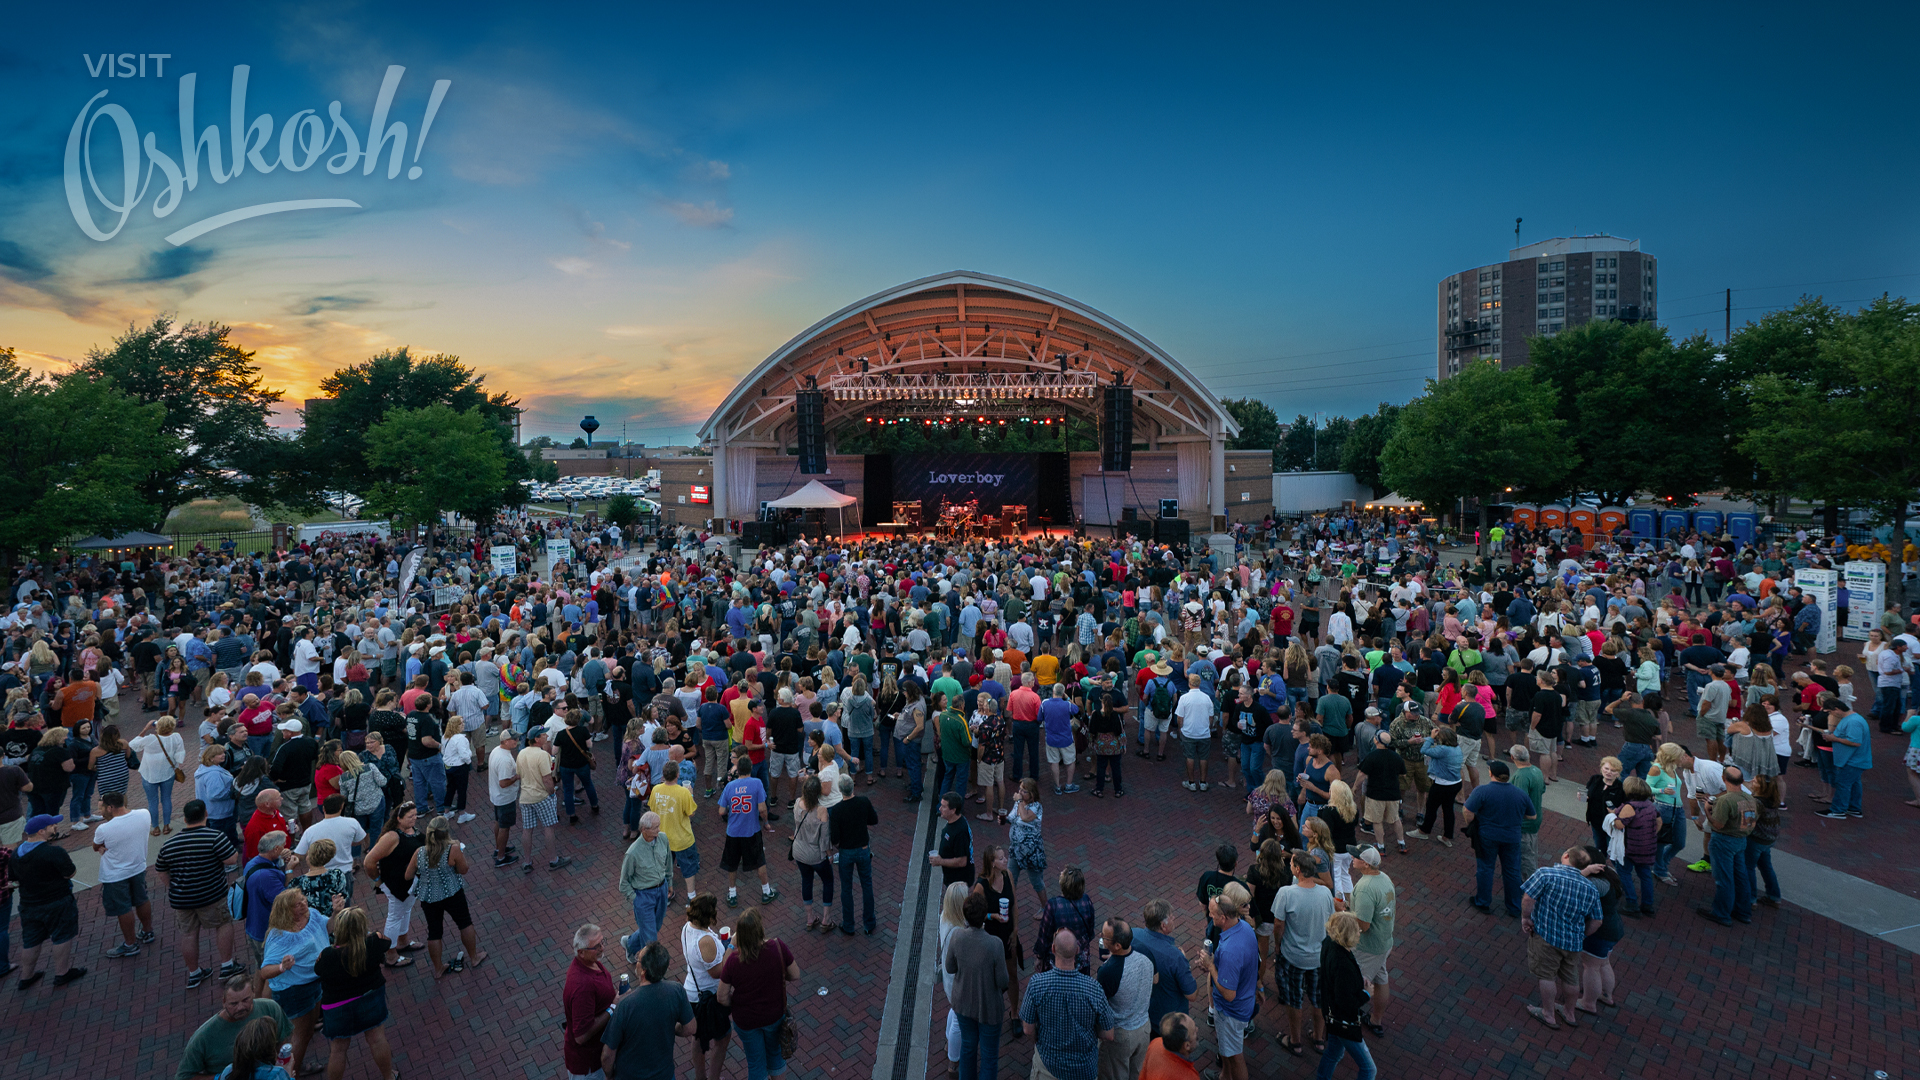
[1116, 430]
[810, 416]
[1128, 513]
[1171, 531]
[1169, 508]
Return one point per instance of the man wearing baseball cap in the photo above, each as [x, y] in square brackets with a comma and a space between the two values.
[1373, 903]
[48, 911]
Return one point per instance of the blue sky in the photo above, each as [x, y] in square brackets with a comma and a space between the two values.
[622, 208]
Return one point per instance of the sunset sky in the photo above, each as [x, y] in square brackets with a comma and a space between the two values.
[623, 208]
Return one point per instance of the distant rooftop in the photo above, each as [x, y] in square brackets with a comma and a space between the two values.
[1567, 245]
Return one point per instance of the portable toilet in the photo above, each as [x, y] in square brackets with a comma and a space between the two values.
[1582, 518]
[1611, 518]
[1674, 521]
[1643, 522]
[1743, 525]
[1526, 516]
[1553, 517]
[1708, 522]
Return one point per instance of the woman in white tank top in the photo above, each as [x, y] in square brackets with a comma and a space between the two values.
[710, 1017]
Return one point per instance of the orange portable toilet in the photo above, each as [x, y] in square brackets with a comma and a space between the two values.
[1582, 518]
[1528, 516]
[1612, 518]
[1553, 517]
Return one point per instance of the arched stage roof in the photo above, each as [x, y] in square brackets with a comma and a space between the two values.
[974, 323]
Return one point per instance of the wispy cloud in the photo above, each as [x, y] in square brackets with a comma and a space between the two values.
[571, 265]
[704, 215]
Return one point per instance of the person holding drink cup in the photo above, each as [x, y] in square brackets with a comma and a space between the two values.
[704, 949]
[996, 883]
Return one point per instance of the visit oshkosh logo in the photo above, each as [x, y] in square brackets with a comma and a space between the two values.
[306, 139]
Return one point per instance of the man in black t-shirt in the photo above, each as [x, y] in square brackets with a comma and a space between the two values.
[1547, 722]
[1522, 684]
[424, 763]
[1641, 732]
[787, 730]
[1383, 767]
[954, 856]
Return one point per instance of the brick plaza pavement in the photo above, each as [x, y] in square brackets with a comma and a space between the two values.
[1794, 994]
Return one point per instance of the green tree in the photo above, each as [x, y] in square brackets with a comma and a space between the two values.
[435, 460]
[75, 454]
[1841, 428]
[1784, 343]
[578, 443]
[1360, 453]
[1643, 414]
[623, 510]
[215, 412]
[1259, 426]
[1474, 434]
[540, 469]
[1308, 446]
[1330, 452]
[357, 398]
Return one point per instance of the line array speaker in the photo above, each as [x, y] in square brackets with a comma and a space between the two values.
[809, 407]
[1116, 430]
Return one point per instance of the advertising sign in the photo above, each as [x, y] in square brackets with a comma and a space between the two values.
[701, 495]
[1823, 587]
[1866, 582]
[506, 560]
[559, 551]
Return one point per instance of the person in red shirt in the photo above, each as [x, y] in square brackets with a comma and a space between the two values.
[77, 699]
[266, 818]
[1282, 620]
[1169, 1056]
[588, 999]
[753, 738]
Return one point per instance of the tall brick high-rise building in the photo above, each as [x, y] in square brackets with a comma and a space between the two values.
[1490, 311]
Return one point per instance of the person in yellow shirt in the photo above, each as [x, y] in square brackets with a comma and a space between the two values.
[1046, 666]
[675, 804]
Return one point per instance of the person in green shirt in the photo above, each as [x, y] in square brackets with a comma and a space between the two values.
[956, 748]
[1530, 779]
[948, 685]
[211, 1047]
[1374, 904]
[1333, 711]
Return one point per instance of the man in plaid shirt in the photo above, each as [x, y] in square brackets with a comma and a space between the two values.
[1560, 909]
[1067, 1015]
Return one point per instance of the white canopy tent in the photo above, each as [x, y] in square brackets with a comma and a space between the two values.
[817, 496]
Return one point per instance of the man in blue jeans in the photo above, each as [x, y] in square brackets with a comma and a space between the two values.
[978, 962]
[1852, 757]
[847, 825]
[424, 763]
[1733, 816]
[1498, 810]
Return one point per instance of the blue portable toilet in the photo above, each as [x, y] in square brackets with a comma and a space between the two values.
[1707, 521]
[1743, 525]
[1673, 521]
[1644, 523]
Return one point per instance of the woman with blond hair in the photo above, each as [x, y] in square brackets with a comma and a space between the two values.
[296, 934]
[438, 874]
[353, 994]
[163, 757]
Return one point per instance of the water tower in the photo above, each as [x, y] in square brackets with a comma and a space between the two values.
[589, 425]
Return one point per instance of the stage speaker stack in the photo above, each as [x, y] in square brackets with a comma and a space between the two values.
[1116, 430]
[1171, 530]
[750, 534]
[810, 414]
[1138, 528]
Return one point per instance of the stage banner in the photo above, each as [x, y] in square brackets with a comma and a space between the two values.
[937, 480]
[1823, 587]
[1866, 582]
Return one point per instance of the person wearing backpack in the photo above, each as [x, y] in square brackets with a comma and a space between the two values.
[250, 897]
[1161, 695]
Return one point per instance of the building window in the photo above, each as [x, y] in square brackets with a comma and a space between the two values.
[1556, 312]
[1553, 328]
[1556, 297]
[1486, 275]
[1486, 290]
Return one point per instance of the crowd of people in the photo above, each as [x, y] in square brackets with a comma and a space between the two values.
[1345, 679]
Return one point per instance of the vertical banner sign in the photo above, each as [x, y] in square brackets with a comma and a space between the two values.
[410, 567]
[506, 559]
[1823, 587]
[558, 551]
[1866, 596]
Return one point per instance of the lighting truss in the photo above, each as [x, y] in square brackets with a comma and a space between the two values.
[964, 390]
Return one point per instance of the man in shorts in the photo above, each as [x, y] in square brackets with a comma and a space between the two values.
[121, 841]
[1056, 725]
[1195, 711]
[503, 794]
[1560, 908]
[1373, 904]
[193, 866]
[1234, 969]
[48, 912]
[743, 804]
[1300, 914]
[1382, 769]
[539, 796]
[1158, 688]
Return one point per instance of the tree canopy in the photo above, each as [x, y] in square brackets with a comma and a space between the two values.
[434, 460]
[76, 456]
[215, 410]
[1259, 426]
[1360, 453]
[1475, 434]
